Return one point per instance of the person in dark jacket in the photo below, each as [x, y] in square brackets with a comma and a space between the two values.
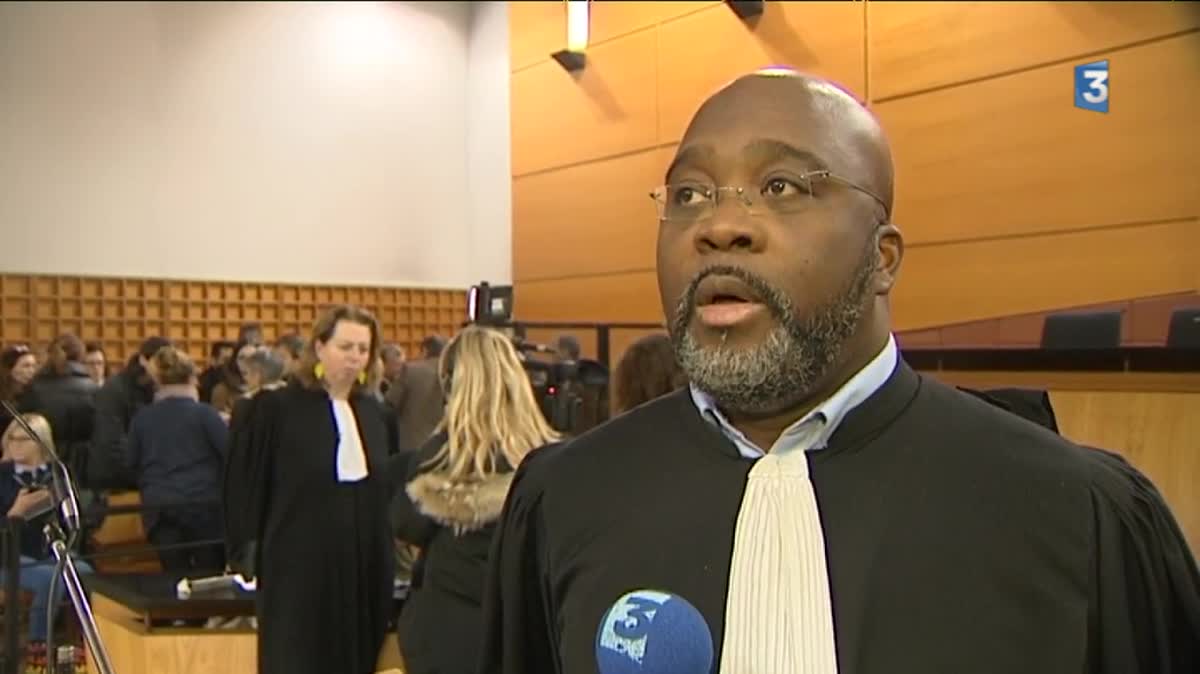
[456, 486]
[116, 402]
[63, 392]
[416, 395]
[177, 447]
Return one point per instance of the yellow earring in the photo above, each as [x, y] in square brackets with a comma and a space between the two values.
[319, 371]
[362, 378]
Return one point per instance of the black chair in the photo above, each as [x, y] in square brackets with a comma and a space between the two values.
[1184, 331]
[1084, 330]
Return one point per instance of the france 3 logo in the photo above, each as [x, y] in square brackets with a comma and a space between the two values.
[1091, 86]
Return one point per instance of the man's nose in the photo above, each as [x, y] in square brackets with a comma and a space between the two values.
[730, 228]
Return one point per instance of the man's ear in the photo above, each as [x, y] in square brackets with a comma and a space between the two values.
[889, 243]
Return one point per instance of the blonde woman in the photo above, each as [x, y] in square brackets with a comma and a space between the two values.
[25, 492]
[455, 489]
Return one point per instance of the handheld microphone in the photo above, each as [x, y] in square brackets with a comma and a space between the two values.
[653, 632]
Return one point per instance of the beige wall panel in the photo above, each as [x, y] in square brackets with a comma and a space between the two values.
[561, 118]
[535, 31]
[631, 297]
[588, 219]
[614, 18]
[952, 283]
[1013, 156]
[701, 52]
[920, 45]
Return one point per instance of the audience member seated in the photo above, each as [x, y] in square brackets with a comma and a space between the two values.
[176, 448]
[64, 392]
[646, 371]
[233, 378]
[456, 486]
[288, 348]
[25, 492]
[219, 356]
[18, 365]
[264, 372]
[96, 362]
[393, 357]
[117, 402]
[251, 333]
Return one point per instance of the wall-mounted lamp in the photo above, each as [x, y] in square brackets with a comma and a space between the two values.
[573, 57]
[746, 9]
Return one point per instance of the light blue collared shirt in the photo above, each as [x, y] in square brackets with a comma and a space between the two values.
[812, 432]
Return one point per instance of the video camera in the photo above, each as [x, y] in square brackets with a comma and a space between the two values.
[573, 394]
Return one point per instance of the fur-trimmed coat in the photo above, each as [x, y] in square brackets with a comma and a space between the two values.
[440, 628]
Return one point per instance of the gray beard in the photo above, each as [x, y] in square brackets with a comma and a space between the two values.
[783, 368]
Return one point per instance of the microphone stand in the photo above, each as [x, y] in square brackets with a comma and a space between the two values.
[60, 546]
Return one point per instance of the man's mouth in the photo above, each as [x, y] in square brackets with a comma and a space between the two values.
[724, 301]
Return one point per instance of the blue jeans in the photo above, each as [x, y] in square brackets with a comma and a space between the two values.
[35, 578]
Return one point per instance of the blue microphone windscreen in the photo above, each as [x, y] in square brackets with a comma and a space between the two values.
[653, 632]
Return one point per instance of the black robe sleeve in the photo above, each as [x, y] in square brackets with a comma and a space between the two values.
[409, 524]
[518, 638]
[1145, 584]
[247, 488]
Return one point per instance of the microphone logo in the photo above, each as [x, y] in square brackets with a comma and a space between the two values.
[653, 632]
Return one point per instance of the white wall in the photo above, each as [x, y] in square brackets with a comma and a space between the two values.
[322, 142]
[489, 144]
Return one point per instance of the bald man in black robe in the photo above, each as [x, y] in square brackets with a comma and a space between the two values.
[810, 503]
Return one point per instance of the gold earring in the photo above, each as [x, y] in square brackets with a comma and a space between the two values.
[319, 371]
[362, 378]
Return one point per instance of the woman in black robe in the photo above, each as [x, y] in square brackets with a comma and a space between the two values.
[306, 499]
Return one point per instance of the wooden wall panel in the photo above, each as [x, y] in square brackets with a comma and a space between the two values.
[560, 118]
[1011, 155]
[122, 312]
[592, 218]
[615, 18]
[951, 283]
[1011, 199]
[537, 30]
[1159, 433]
[549, 337]
[916, 46]
[630, 297]
[703, 51]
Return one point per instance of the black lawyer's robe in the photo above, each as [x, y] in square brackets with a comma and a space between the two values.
[324, 558]
[959, 537]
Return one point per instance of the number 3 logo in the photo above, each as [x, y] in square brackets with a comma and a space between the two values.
[1097, 83]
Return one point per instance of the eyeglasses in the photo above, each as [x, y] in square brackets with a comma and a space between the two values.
[695, 202]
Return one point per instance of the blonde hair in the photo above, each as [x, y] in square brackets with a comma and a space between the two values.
[40, 426]
[490, 408]
[172, 366]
